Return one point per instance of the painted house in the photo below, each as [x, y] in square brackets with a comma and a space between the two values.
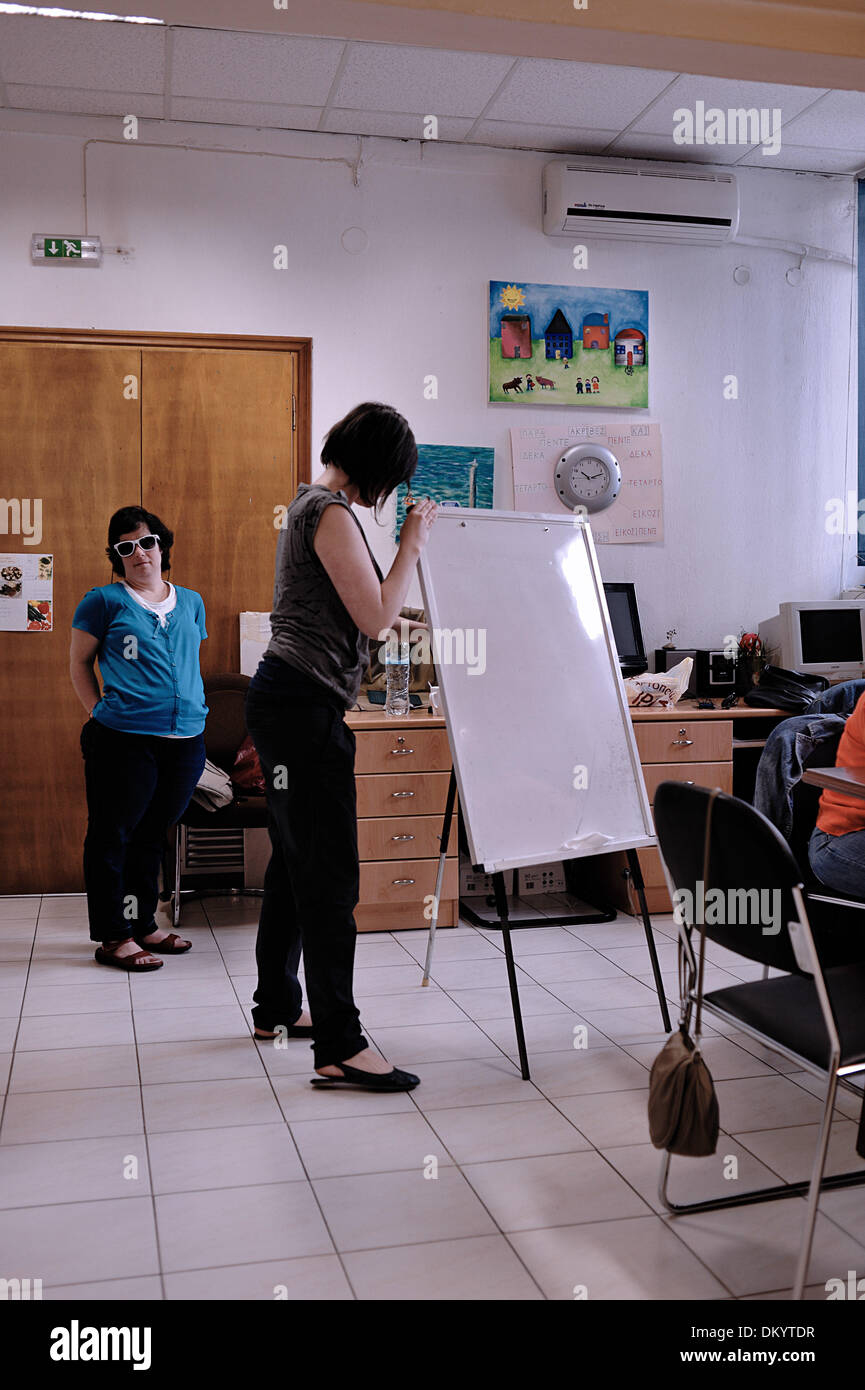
[559, 336]
[516, 335]
[596, 331]
[630, 348]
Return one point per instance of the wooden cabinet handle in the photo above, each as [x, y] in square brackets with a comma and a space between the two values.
[400, 881]
[402, 837]
[401, 751]
[402, 793]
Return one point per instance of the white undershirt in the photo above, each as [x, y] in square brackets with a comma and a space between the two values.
[164, 606]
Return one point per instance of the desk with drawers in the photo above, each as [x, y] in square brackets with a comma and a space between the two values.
[684, 744]
[403, 768]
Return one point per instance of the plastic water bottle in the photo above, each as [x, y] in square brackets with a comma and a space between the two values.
[396, 665]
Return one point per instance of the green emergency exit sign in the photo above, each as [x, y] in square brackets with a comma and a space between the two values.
[62, 247]
[58, 249]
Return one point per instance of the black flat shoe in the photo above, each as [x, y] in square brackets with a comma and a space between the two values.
[395, 1080]
[303, 1030]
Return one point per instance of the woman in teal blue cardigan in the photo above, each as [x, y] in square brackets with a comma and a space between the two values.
[143, 743]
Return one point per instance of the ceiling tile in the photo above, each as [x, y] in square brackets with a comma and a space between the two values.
[265, 67]
[808, 159]
[244, 113]
[101, 56]
[724, 93]
[541, 137]
[381, 77]
[836, 123]
[577, 95]
[398, 124]
[70, 100]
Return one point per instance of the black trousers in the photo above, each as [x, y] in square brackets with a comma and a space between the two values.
[137, 786]
[312, 882]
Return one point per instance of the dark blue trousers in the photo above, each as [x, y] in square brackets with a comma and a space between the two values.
[137, 786]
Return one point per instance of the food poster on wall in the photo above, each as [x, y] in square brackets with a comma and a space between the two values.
[568, 345]
[26, 593]
[636, 515]
[453, 475]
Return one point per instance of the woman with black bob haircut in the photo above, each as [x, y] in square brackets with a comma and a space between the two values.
[329, 598]
[381, 448]
[143, 743]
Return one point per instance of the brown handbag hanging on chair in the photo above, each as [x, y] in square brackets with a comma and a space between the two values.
[683, 1107]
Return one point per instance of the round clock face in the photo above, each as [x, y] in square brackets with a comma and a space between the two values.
[588, 476]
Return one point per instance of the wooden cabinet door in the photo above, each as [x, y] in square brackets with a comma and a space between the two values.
[203, 436]
[70, 437]
[218, 457]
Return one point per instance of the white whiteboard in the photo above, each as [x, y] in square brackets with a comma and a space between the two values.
[531, 689]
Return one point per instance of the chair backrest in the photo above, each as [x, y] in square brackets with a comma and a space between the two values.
[225, 730]
[751, 871]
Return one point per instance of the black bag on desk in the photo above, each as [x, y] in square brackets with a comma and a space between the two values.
[787, 690]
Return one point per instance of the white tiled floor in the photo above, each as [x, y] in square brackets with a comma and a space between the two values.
[150, 1149]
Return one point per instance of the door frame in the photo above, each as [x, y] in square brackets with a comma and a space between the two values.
[259, 342]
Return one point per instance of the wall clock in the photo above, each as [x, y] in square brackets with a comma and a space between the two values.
[588, 475]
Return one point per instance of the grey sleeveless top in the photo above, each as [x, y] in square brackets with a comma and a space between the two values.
[311, 628]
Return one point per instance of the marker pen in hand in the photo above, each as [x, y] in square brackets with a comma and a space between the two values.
[411, 502]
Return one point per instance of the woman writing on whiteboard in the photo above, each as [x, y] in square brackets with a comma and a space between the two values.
[329, 598]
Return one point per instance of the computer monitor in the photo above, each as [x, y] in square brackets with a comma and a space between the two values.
[622, 603]
[818, 637]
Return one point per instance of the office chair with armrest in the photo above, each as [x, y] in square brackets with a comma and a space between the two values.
[224, 732]
[815, 1012]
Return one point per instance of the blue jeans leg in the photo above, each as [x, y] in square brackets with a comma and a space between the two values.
[839, 861]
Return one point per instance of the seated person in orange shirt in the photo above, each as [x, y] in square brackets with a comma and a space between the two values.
[837, 847]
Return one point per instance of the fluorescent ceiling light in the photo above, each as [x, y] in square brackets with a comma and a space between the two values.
[75, 14]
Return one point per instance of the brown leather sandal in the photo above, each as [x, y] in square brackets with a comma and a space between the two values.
[168, 946]
[133, 962]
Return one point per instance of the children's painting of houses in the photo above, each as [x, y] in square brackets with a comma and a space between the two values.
[568, 345]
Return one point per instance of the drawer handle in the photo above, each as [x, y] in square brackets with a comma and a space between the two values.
[402, 837]
[398, 882]
[401, 751]
[402, 793]
[682, 742]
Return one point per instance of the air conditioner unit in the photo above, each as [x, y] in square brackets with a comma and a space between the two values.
[640, 204]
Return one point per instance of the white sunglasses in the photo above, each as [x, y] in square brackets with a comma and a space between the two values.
[126, 548]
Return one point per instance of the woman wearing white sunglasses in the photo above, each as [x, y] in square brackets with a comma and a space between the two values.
[143, 743]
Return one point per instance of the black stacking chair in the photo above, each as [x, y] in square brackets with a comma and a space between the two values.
[815, 1012]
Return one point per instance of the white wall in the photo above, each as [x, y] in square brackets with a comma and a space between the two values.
[746, 482]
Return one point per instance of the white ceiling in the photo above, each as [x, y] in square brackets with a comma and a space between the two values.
[300, 83]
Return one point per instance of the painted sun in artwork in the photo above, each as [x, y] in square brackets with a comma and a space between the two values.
[512, 297]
